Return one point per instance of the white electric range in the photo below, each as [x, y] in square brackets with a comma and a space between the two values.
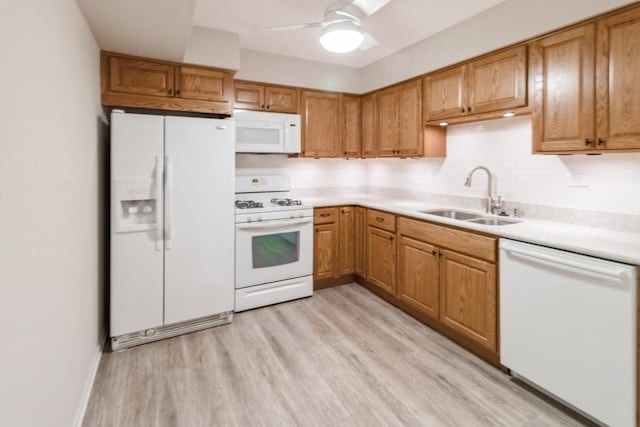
[274, 243]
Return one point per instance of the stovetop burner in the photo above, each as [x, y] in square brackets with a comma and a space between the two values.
[248, 204]
[286, 202]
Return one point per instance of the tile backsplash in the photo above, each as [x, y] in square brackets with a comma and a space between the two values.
[577, 186]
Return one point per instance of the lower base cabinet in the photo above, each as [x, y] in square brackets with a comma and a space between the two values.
[418, 276]
[381, 259]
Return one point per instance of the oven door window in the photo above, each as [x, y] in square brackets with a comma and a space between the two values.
[277, 249]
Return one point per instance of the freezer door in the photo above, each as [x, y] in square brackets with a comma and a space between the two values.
[199, 217]
[136, 222]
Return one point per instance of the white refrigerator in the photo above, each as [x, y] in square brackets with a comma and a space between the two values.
[172, 226]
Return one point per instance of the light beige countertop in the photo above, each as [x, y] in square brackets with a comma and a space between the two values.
[599, 242]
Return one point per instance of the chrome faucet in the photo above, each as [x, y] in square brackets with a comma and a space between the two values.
[493, 203]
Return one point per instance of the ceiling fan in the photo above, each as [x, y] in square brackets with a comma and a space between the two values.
[341, 26]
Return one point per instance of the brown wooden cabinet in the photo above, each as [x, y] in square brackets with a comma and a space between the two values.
[400, 132]
[326, 251]
[261, 97]
[346, 240]
[418, 275]
[493, 83]
[129, 81]
[369, 135]
[321, 124]
[468, 297]
[584, 87]
[381, 250]
[360, 241]
[351, 126]
[450, 275]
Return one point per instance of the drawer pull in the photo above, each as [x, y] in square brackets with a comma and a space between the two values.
[379, 219]
[325, 214]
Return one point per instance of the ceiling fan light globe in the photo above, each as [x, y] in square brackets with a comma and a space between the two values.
[341, 37]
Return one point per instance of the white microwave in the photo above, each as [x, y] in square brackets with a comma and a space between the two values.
[262, 132]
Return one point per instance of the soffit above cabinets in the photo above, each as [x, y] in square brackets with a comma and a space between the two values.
[161, 28]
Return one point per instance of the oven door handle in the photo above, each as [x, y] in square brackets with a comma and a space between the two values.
[273, 224]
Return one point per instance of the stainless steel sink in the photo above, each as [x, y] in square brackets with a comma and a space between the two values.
[453, 214]
[493, 221]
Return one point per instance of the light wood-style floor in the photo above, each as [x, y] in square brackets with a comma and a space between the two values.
[343, 357]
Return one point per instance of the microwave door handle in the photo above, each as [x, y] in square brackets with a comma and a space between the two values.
[272, 224]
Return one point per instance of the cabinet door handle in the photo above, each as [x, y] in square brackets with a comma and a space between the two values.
[468, 109]
[170, 92]
[379, 219]
[177, 92]
[268, 106]
[262, 107]
[587, 141]
[434, 252]
[462, 110]
[601, 141]
[390, 237]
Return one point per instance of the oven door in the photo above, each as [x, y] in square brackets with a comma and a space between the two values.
[273, 250]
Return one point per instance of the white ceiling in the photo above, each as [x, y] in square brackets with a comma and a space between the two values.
[395, 26]
[161, 28]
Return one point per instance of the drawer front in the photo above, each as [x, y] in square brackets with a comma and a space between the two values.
[468, 243]
[325, 215]
[383, 220]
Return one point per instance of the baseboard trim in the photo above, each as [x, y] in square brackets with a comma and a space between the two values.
[88, 386]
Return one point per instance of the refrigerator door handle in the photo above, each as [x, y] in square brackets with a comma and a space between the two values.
[168, 200]
[159, 222]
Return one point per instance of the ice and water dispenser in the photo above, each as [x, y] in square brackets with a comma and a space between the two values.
[135, 206]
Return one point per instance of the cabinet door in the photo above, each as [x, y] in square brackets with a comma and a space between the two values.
[281, 99]
[360, 237]
[321, 124]
[562, 85]
[346, 240]
[618, 84]
[134, 76]
[410, 138]
[498, 82]
[249, 96]
[387, 109]
[205, 84]
[351, 127]
[418, 276]
[369, 136]
[381, 259]
[468, 297]
[445, 94]
[325, 252]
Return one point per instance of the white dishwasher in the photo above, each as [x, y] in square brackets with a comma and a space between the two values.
[568, 327]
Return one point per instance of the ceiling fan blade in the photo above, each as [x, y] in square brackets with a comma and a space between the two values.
[368, 42]
[295, 26]
[369, 7]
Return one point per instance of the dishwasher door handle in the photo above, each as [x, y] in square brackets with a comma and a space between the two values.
[619, 274]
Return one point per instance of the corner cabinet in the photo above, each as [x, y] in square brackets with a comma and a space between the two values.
[146, 83]
[491, 85]
[584, 87]
[321, 124]
[369, 119]
[351, 126]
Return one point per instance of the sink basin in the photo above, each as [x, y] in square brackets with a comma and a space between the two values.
[493, 221]
[453, 214]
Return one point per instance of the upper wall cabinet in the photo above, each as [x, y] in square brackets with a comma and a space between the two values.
[568, 68]
[351, 126]
[277, 99]
[321, 124]
[145, 83]
[491, 84]
[369, 137]
[400, 131]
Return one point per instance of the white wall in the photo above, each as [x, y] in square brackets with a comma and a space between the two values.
[504, 146]
[213, 48]
[51, 211]
[606, 183]
[279, 69]
[502, 25]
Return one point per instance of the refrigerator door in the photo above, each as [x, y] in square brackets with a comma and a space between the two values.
[136, 212]
[199, 217]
